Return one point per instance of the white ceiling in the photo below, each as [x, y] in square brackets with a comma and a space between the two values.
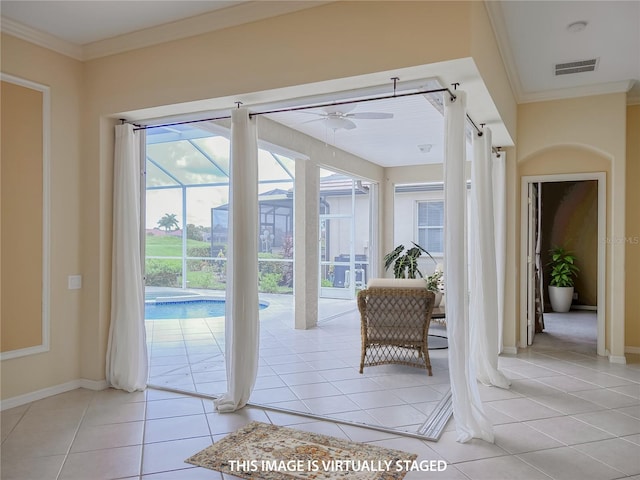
[386, 142]
[84, 22]
[532, 37]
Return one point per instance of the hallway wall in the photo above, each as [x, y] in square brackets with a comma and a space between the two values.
[570, 219]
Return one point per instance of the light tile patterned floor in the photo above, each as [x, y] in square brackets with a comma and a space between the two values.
[543, 430]
[309, 371]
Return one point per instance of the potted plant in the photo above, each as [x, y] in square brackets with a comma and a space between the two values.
[435, 284]
[563, 272]
[405, 265]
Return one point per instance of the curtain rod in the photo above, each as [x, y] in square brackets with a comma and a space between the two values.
[320, 105]
[294, 109]
[495, 150]
[348, 102]
[185, 122]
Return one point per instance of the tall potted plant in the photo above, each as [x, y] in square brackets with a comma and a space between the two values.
[563, 272]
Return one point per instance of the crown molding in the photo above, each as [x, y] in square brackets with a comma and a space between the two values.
[498, 23]
[245, 12]
[42, 39]
[574, 92]
[633, 95]
[232, 16]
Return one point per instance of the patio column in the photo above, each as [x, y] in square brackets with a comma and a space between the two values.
[306, 225]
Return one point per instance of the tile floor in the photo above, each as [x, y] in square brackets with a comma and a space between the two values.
[569, 415]
[309, 371]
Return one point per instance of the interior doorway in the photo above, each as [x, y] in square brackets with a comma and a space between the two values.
[555, 210]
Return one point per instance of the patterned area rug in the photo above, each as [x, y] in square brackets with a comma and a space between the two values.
[261, 451]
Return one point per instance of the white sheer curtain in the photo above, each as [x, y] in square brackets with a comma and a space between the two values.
[241, 322]
[500, 221]
[467, 408]
[483, 279]
[127, 367]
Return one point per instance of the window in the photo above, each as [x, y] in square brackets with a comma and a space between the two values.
[431, 226]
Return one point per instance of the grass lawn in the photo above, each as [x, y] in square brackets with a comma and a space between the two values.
[200, 274]
[170, 246]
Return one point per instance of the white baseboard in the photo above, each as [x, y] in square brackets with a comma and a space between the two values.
[50, 391]
[96, 385]
[510, 350]
[631, 349]
[617, 359]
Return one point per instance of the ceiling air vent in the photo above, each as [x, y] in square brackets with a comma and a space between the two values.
[576, 67]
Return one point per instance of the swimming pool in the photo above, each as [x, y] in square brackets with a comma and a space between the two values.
[192, 307]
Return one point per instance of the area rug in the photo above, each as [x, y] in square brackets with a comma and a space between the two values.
[261, 451]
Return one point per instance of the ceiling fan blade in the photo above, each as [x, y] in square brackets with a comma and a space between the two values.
[370, 115]
[313, 113]
[336, 123]
[314, 120]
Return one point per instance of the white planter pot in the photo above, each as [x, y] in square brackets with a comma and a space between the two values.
[438, 299]
[561, 298]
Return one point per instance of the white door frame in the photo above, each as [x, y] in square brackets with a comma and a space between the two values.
[531, 261]
[601, 178]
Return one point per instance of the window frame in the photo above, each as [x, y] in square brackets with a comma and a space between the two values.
[419, 227]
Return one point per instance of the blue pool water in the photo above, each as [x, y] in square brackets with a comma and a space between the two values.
[186, 309]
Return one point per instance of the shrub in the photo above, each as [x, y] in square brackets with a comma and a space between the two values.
[269, 282]
[198, 251]
[163, 273]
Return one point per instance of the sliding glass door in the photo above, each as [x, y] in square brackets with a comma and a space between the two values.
[345, 235]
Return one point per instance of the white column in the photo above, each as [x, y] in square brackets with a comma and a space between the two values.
[306, 227]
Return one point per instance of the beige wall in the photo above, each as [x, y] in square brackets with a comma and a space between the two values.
[21, 167]
[231, 63]
[570, 220]
[583, 135]
[632, 234]
[64, 77]
[396, 176]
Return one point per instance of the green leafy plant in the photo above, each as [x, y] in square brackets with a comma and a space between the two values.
[405, 265]
[435, 282]
[163, 273]
[563, 267]
[269, 282]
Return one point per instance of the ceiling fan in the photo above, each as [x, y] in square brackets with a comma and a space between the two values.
[340, 116]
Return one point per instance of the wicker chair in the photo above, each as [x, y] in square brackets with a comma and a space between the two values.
[395, 317]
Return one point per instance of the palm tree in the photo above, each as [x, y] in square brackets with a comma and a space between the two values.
[169, 222]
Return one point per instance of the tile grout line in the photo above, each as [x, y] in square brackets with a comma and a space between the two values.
[75, 435]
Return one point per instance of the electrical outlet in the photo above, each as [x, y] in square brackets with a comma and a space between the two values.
[74, 282]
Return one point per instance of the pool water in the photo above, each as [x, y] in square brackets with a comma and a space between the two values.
[186, 309]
